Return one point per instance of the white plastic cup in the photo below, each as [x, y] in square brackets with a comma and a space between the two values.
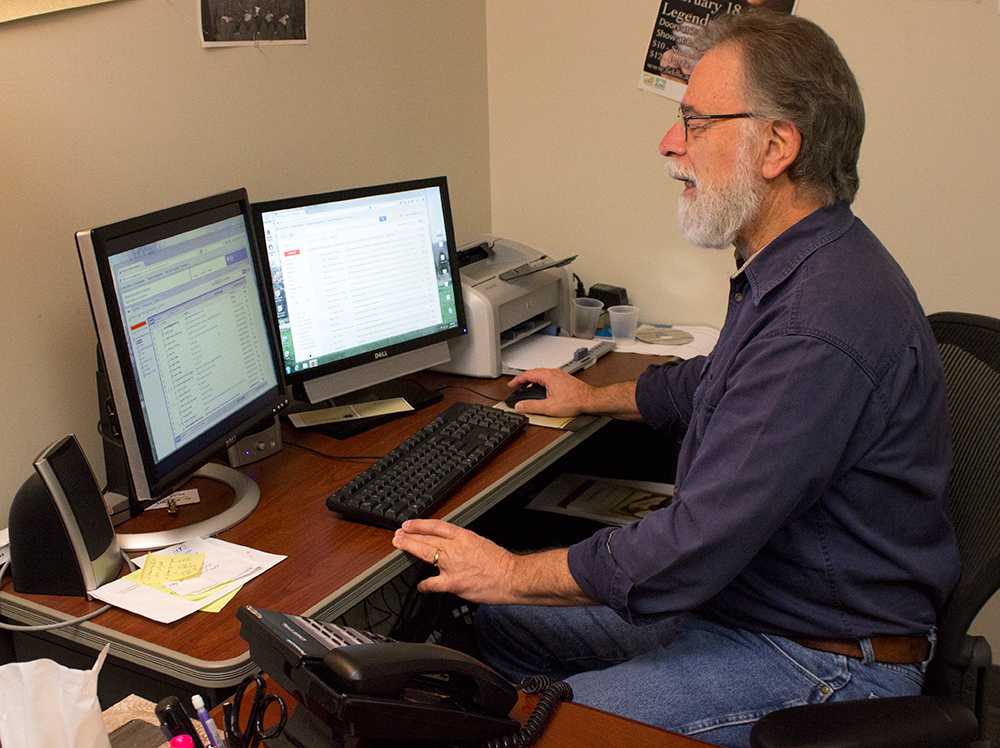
[624, 319]
[586, 312]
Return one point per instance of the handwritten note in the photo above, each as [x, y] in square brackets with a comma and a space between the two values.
[160, 569]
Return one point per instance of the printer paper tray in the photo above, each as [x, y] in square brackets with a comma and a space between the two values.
[552, 352]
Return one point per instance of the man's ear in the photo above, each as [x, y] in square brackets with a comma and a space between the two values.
[783, 143]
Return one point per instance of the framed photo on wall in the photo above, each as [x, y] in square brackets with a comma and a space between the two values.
[231, 23]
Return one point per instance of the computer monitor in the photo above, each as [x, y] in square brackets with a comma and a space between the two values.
[188, 347]
[365, 284]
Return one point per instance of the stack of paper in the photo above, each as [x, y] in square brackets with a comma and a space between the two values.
[205, 575]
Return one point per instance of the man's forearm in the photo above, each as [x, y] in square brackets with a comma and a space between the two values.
[615, 400]
[544, 579]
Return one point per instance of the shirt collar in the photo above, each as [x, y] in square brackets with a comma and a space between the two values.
[741, 264]
[784, 254]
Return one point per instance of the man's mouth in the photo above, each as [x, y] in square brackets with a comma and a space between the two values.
[688, 181]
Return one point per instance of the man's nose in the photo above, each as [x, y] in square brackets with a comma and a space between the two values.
[672, 143]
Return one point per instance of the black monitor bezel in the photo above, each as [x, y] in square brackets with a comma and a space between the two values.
[461, 328]
[122, 236]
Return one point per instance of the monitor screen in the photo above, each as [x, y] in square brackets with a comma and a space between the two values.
[189, 346]
[197, 341]
[362, 275]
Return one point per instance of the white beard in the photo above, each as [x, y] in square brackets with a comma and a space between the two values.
[715, 216]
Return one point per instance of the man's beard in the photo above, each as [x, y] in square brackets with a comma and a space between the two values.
[716, 215]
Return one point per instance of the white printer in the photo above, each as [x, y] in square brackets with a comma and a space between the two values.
[500, 313]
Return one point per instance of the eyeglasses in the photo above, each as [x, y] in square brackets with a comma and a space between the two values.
[687, 119]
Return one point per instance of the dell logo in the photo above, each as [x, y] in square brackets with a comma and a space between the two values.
[381, 354]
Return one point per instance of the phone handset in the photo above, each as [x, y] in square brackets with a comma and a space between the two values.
[389, 667]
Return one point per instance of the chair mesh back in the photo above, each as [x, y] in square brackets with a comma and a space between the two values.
[970, 353]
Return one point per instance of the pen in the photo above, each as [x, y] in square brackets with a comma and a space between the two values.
[206, 720]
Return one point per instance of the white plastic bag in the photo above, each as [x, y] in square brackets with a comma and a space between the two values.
[45, 705]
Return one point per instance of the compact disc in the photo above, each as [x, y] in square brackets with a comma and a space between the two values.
[664, 336]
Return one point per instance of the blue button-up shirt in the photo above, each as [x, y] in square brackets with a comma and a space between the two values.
[811, 483]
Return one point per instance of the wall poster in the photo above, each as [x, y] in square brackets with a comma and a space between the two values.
[11, 10]
[234, 23]
[668, 62]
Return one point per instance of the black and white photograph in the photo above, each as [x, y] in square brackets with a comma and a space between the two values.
[228, 23]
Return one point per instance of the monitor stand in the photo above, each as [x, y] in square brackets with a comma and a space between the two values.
[246, 496]
[410, 390]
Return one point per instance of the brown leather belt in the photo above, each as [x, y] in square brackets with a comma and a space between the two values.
[895, 650]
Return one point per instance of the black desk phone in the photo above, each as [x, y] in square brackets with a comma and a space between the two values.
[360, 688]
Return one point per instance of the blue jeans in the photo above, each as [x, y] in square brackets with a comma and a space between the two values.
[685, 674]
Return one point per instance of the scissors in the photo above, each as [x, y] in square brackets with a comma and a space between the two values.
[253, 731]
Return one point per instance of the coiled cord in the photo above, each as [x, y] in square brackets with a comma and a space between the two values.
[552, 693]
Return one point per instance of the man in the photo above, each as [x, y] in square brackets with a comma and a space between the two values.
[227, 20]
[808, 546]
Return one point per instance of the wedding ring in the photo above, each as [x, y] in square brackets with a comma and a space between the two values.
[437, 555]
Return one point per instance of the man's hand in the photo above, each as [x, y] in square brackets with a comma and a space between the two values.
[470, 566]
[568, 396]
[479, 570]
[565, 394]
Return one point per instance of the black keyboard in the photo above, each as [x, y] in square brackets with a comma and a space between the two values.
[422, 472]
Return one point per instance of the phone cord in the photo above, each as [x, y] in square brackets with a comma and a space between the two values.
[552, 692]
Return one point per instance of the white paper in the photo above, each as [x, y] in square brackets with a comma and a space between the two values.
[240, 563]
[145, 601]
[704, 341]
[545, 351]
[181, 498]
[608, 500]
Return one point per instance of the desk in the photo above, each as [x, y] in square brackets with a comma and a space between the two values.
[332, 564]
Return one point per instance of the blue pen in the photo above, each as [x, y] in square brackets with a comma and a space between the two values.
[206, 720]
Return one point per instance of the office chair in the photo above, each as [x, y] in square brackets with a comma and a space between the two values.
[952, 708]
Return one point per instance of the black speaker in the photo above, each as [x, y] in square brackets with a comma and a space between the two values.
[61, 538]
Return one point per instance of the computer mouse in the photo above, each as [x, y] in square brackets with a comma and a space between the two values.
[529, 391]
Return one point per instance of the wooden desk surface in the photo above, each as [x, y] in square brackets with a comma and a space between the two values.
[327, 557]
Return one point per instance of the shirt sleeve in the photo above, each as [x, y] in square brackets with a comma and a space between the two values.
[664, 393]
[769, 447]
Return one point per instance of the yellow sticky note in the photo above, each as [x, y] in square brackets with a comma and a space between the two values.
[185, 566]
[157, 570]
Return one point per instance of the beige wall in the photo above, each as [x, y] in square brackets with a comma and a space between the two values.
[116, 110]
[575, 166]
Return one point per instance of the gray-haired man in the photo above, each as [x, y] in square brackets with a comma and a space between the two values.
[808, 547]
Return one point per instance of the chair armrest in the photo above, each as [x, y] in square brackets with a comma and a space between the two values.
[901, 722]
